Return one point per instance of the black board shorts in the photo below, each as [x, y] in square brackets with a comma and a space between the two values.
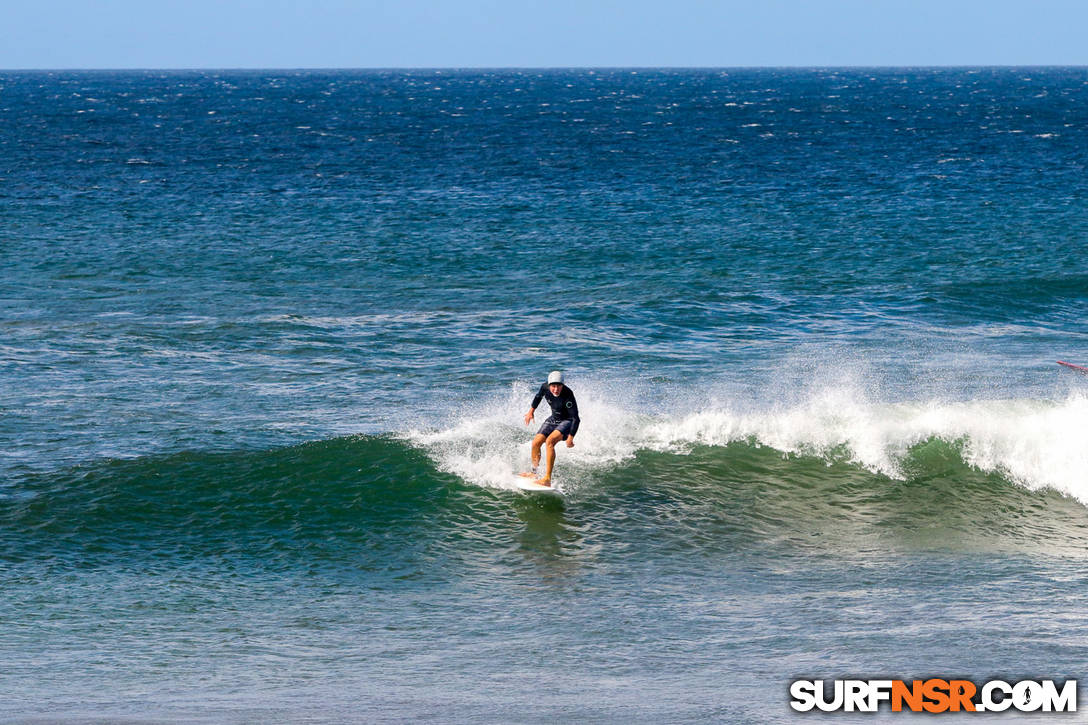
[563, 426]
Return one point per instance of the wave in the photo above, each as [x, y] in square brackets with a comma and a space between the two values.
[833, 470]
[288, 502]
[830, 469]
[1036, 444]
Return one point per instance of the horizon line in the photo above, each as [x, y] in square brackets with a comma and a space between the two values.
[167, 69]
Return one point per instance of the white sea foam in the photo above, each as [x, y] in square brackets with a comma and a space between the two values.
[1034, 443]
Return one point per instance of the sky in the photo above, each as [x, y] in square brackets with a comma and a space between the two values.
[115, 34]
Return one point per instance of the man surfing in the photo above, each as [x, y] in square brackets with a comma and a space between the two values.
[561, 424]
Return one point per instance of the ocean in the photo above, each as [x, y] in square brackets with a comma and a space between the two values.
[267, 339]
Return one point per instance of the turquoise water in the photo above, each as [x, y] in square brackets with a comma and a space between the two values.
[267, 339]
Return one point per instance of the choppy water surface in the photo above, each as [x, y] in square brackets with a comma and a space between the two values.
[267, 338]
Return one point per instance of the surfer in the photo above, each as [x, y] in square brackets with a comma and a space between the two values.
[561, 424]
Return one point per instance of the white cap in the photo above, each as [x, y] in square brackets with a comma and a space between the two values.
[555, 377]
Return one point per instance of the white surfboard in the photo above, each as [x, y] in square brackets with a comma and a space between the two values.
[527, 484]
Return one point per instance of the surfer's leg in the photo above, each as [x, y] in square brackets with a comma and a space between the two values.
[549, 460]
[538, 441]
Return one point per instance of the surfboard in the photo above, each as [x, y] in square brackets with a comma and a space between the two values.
[524, 483]
[1071, 366]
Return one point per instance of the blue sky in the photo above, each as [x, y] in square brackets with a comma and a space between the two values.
[531, 33]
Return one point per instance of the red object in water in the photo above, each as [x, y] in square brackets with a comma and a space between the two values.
[1078, 368]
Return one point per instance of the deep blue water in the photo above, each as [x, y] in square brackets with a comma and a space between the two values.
[267, 339]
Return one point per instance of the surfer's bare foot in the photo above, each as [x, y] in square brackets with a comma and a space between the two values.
[544, 482]
[527, 474]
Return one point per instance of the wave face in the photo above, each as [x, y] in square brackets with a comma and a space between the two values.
[832, 471]
[953, 473]
[1033, 443]
[291, 505]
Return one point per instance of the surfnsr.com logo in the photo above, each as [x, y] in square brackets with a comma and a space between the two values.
[933, 695]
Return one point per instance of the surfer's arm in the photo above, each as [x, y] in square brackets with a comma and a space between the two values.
[575, 421]
[532, 406]
[538, 397]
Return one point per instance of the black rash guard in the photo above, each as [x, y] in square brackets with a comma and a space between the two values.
[564, 406]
